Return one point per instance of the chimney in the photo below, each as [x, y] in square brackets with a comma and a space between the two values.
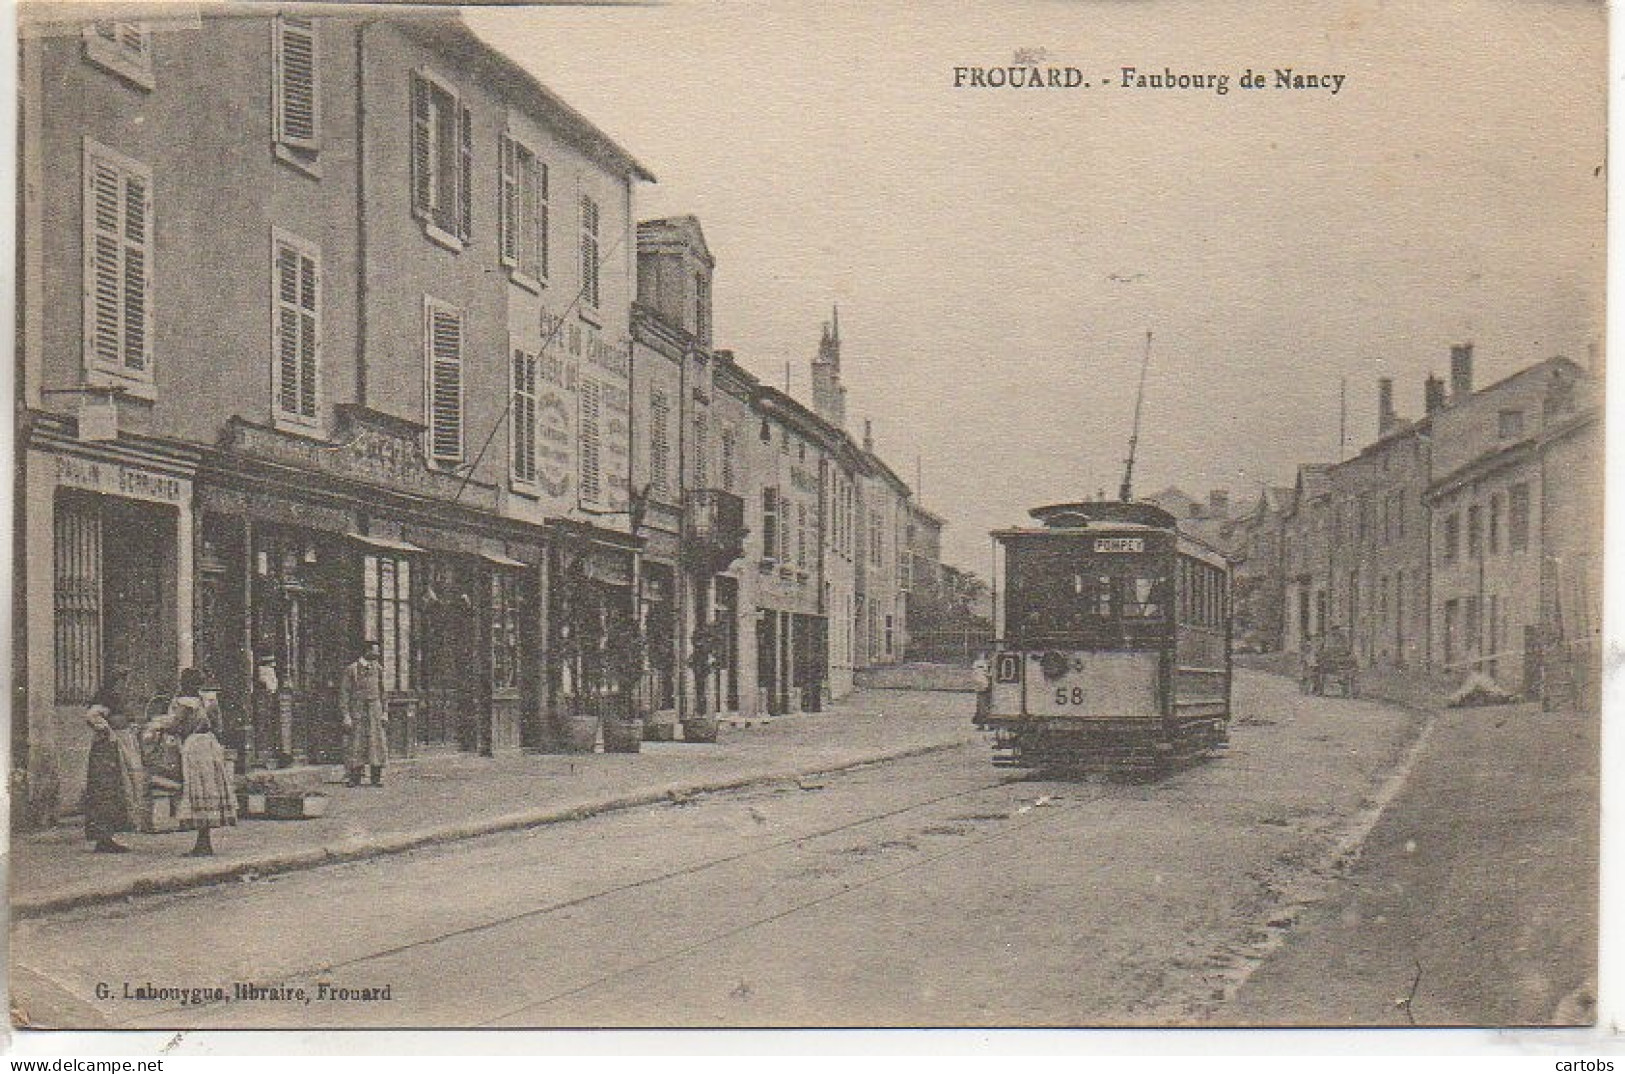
[1433, 394]
[1218, 504]
[1386, 419]
[868, 436]
[1461, 371]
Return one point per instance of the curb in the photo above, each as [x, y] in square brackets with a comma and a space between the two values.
[357, 849]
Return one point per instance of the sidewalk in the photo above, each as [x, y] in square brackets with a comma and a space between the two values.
[458, 796]
[1474, 899]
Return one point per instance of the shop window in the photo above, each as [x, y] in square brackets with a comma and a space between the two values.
[296, 109]
[77, 595]
[522, 212]
[1518, 518]
[124, 48]
[589, 253]
[504, 630]
[118, 264]
[522, 418]
[386, 591]
[296, 330]
[442, 160]
[443, 356]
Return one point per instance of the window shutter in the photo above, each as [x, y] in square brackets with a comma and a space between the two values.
[659, 442]
[287, 330]
[102, 201]
[422, 166]
[445, 346]
[118, 264]
[541, 219]
[591, 441]
[309, 342]
[297, 112]
[137, 293]
[523, 418]
[508, 202]
[465, 175]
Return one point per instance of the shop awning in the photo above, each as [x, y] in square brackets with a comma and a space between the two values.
[387, 544]
[499, 560]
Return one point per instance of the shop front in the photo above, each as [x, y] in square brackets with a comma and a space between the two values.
[597, 658]
[104, 576]
[308, 553]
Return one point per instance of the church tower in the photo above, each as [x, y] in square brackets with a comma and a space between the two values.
[829, 395]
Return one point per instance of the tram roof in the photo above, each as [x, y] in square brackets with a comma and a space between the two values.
[1107, 512]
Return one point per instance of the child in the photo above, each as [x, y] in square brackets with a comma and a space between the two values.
[204, 777]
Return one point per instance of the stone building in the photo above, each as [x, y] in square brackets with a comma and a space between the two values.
[1491, 490]
[425, 425]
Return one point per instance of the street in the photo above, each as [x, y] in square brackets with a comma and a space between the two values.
[932, 890]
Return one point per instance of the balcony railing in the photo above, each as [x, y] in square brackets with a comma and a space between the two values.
[713, 528]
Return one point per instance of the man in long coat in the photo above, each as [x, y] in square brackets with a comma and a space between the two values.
[361, 699]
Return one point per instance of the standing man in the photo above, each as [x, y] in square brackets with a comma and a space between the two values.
[361, 699]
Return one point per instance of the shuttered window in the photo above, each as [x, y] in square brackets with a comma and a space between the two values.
[124, 48]
[77, 595]
[442, 158]
[443, 346]
[118, 263]
[589, 252]
[297, 114]
[522, 210]
[770, 522]
[702, 451]
[730, 451]
[591, 441]
[295, 328]
[801, 535]
[660, 442]
[522, 417]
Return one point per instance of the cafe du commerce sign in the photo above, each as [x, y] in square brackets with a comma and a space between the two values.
[368, 446]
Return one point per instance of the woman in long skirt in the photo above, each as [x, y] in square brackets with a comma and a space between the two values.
[115, 781]
[205, 780]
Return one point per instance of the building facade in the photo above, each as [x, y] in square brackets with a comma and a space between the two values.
[343, 393]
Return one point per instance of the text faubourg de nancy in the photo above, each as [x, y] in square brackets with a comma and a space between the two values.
[1033, 76]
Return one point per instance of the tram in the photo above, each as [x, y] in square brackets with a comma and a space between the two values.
[1114, 642]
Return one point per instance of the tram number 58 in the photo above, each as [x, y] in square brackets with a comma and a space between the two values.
[1074, 696]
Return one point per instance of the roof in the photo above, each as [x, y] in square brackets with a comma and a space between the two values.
[684, 231]
[447, 31]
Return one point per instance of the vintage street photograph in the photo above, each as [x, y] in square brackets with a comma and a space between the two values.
[852, 515]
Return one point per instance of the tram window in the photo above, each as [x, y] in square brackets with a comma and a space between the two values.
[1142, 597]
[1102, 603]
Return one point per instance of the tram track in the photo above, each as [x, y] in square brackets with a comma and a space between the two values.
[800, 840]
[1031, 819]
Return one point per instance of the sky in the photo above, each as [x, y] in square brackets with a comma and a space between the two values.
[999, 254]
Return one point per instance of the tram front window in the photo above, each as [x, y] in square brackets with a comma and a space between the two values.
[1054, 600]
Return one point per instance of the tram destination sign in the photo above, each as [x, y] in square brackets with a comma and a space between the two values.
[1119, 544]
